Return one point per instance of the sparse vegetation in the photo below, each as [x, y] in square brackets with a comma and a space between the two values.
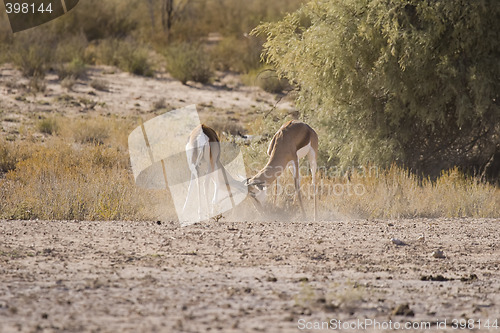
[48, 126]
[37, 84]
[240, 55]
[78, 173]
[110, 34]
[68, 83]
[11, 153]
[32, 53]
[189, 62]
[64, 182]
[370, 192]
[125, 54]
[91, 180]
[100, 85]
[75, 69]
[159, 104]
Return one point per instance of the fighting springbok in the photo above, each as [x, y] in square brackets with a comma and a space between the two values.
[203, 157]
[293, 141]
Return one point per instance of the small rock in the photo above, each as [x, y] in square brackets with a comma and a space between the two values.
[397, 241]
[306, 312]
[421, 238]
[438, 254]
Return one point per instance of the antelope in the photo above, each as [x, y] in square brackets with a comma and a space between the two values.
[293, 141]
[203, 157]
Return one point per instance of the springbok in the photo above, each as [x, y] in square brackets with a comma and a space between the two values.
[293, 141]
[203, 157]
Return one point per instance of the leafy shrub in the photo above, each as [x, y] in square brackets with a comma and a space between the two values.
[95, 19]
[71, 47]
[104, 52]
[32, 52]
[236, 54]
[135, 60]
[75, 69]
[124, 54]
[395, 81]
[189, 62]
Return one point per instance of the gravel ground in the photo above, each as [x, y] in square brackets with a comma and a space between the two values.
[72, 276]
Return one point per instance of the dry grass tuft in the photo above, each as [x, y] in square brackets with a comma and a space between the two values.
[48, 126]
[100, 85]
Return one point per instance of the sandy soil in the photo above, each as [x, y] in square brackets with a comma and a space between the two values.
[246, 277]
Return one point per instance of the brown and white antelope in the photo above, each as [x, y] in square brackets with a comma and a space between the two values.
[203, 157]
[293, 141]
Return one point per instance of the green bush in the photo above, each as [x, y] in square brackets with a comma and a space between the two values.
[124, 54]
[69, 57]
[75, 69]
[71, 47]
[97, 19]
[409, 81]
[189, 62]
[134, 59]
[32, 52]
[237, 54]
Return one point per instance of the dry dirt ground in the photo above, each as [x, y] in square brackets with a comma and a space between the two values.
[72, 276]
